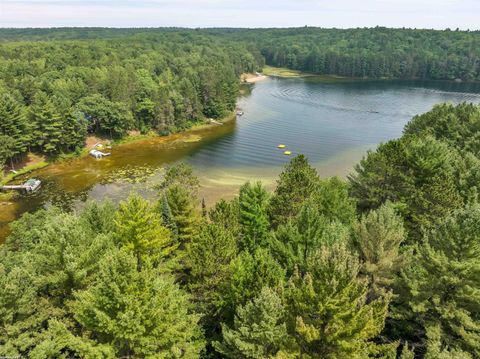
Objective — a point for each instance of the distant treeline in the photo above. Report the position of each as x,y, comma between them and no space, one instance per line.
374,53
58,84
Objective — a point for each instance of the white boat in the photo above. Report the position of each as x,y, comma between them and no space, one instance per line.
98,154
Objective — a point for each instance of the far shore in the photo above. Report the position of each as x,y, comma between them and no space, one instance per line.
251,78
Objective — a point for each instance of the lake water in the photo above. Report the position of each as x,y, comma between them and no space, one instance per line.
333,123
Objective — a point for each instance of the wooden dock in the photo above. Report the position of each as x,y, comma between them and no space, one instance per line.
30,186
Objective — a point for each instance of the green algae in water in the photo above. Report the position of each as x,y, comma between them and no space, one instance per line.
130,174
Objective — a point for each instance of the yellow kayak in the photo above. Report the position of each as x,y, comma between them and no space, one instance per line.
281,146
287,152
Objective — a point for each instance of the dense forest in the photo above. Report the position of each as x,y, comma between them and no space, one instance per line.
383,265
52,93
373,53
58,85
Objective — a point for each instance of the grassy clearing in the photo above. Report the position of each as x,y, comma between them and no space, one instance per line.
283,72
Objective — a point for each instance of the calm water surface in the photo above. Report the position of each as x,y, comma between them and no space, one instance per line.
332,123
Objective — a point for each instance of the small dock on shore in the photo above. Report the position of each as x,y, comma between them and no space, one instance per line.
30,186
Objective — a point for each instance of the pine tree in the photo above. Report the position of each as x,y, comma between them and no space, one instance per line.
139,229
47,133
253,202
295,242
138,313
440,288
13,124
184,213
250,273
259,330
227,214
209,258
296,183
333,200
329,312
167,217
378,237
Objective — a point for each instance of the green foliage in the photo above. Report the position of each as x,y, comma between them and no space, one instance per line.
296,241
139,313
184,213
49,256
250,273
377,237
440,288
13,126
370,52
456,125
139,229
328,309
333,200
259,330
296,183
47,124
182,175
162,81
105,116
253,202
422,175
209,258
227,214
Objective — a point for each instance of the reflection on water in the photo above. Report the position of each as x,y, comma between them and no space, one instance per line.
332,123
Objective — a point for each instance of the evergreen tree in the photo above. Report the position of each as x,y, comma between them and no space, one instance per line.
302,236
167,216
209,258
422,176
333,200
48,257
227,214
47,122
181,175
330,316
184,213
139,229
259,330
13,125
439,291
378,237
7,151
297,182
253,202
250,273
138,313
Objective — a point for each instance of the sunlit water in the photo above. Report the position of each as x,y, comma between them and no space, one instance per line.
332,123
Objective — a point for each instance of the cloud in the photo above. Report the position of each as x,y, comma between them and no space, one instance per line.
236,13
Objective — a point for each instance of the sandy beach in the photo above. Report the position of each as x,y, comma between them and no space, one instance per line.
252,77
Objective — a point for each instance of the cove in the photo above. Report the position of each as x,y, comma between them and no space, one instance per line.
333,123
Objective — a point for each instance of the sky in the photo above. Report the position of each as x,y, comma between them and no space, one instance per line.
436,14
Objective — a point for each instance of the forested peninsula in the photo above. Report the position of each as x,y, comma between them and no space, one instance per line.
58,85
382,264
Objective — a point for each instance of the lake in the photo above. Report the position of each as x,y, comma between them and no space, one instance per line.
334,123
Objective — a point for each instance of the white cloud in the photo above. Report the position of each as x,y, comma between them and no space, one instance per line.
237,13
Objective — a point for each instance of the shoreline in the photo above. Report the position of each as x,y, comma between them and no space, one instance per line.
250,78
127,140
